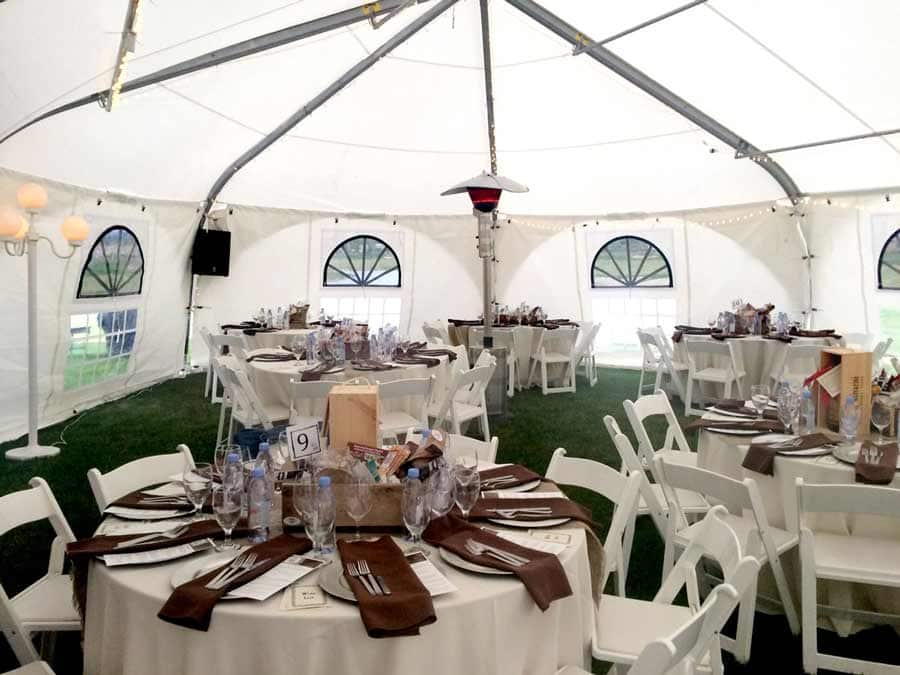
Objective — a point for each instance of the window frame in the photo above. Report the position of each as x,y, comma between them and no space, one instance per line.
340,247
881,262
631,286
90,256
120,334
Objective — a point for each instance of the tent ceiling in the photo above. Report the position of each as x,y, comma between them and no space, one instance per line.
580,137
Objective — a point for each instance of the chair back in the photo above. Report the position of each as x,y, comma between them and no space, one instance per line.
19,508
457,446
432,334
244,396
236,344
418,389
313,393
467,387
650,406
583,342
733,493
863,341
878,353
110,486
619,489
869,499
799,359
650,348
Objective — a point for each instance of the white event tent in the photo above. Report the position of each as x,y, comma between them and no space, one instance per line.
645,134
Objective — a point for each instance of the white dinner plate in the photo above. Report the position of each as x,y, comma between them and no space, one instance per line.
129,513
549,522
779,438
451,558
333,582
524,487
731,413
847,453
200,566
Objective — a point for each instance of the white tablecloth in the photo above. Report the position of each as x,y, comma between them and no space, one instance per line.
489,626
274,339
724,454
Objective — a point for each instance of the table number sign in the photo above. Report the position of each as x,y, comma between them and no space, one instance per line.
303,441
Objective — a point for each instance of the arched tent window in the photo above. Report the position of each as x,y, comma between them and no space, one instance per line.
114,267
362,261
630,262
889,264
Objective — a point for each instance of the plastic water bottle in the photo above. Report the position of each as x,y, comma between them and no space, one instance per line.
340,352
325,507
260,505
233,472
279,318
850,419
264,460
808,412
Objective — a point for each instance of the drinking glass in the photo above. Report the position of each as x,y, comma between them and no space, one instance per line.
220,456
318,522
440,484
359,502
355,344
416,509
881,417
466,488
788,405
197,482
298,347
759,397
227,504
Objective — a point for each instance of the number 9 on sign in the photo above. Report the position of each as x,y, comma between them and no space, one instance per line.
303,441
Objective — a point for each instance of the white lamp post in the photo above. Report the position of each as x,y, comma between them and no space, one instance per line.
20,239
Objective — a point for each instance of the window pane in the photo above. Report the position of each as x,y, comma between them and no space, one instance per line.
889,265
115,266
98,347
630,262
392,306
131,319
362,261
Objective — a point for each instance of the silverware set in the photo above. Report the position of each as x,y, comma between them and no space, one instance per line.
244,563
479,548
871,455
497,481
523,511
159,500
168,534
374,584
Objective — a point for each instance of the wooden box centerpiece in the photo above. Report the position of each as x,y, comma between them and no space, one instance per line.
855,380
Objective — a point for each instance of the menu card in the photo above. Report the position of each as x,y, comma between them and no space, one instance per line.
280,576
431,577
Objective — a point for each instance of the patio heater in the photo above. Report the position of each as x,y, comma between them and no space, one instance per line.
484,190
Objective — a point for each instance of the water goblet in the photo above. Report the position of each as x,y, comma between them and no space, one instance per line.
440,484
788,406
227,504
416,510
466,488
197,482
359,502
759,397
881,417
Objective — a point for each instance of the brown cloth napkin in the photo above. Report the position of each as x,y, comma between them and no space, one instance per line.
272,357
315,373
81,551
781,338
133,501
822,333
411,360
727,336
681,331
762,426
409,605
421,458
738,406
449,353
560,507
191,605
544,577
520,473
761,456
240,326
254,331
880,473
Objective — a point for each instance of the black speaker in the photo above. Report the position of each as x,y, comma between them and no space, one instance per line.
212,252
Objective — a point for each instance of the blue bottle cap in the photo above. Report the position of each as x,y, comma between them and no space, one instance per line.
258,472
807,393
234,457
324,481
412,473
263,446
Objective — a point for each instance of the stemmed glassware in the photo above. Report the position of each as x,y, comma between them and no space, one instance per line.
881,417
788,406
759,397
298,347
197,483
220,455
466,488
359,500
355,343
227,504
440,485
416,510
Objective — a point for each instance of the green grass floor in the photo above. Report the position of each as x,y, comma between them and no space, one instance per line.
157,419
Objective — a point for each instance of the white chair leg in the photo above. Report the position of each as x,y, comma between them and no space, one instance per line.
206,386
728,388
790,610
744,631
641,383
219,439
659,373
689,396
544,377
511,377
534,364
485,427
808,605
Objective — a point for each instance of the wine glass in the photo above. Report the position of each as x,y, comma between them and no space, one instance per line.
440,484
711,320
355,343
881,417
197,482
298,347
220,456
466,488
759,397
416,509
227,504
359,501
788,405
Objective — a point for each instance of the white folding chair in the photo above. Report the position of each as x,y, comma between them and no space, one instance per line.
619,489
211,387
418,391
456,446
465,401
795,361
864,341
542,358
46,605
747,517
588,357
112,485
308,401
33,668
624,627
505,339
432,334
730,374
844,558
878,353
246,406
655,405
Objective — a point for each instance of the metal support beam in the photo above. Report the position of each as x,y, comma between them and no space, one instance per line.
643,24
316,102
238,50
487,263
644,82
763,154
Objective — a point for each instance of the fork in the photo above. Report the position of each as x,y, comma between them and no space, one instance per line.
477,548
237,566
168,534
354,571
376,582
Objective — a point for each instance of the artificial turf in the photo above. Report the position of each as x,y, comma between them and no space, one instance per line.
157,419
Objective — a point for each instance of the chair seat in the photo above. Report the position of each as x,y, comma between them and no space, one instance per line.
33,668
397,421
858,559
624,626
305,420
691,502
275,411
551,357
720,375
743,526
47,604
465,411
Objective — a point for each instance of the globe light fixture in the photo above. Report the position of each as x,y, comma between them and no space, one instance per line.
75,229
10,222
31,196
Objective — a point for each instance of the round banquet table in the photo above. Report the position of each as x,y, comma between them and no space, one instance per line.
724,454
271,380
275,339
489,626
759,355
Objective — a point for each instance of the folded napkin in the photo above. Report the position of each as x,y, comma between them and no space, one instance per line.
465,322
761,456
449,353
560,507
133,501
410,360
520,474
81,551
781,338
420,457
738,406
240,326
191,605
727,336
271,357
543,576
882,471
370,365
822,333
409,605
762,426
681,331
315,373
254,331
